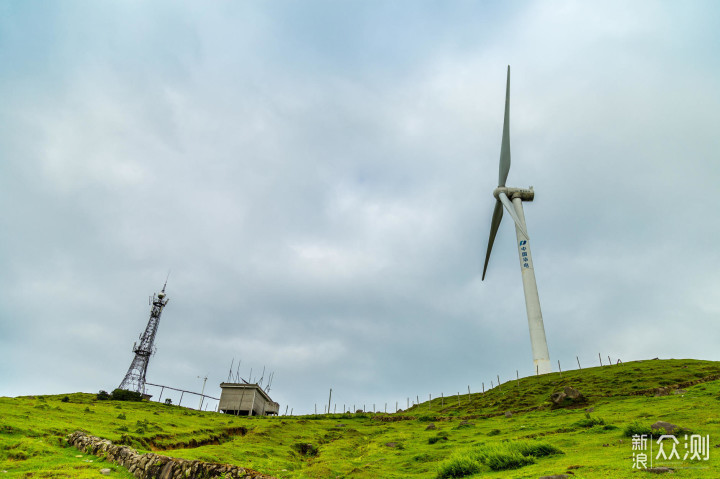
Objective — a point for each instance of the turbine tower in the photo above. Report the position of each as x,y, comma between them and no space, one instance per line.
135,377
511,199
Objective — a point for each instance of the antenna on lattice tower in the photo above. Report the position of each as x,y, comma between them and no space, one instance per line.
135,377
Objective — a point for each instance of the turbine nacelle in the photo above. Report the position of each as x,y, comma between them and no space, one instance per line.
512,193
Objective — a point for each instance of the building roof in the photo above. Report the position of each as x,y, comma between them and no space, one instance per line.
246,386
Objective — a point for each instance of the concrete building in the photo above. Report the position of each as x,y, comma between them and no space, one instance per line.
244,399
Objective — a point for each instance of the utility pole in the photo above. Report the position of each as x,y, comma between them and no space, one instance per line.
203,390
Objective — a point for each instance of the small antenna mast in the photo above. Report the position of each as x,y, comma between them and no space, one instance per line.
166,280
231,365
262,376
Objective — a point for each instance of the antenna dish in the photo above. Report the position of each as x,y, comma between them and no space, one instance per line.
161,295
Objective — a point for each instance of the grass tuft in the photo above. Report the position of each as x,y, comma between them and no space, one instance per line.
459,465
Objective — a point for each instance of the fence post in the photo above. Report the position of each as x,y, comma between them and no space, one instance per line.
600,359
559,368
499,386
578,360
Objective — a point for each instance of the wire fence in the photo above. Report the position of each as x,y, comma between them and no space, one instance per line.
210,403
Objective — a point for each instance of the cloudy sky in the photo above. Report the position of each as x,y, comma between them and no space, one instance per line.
318,177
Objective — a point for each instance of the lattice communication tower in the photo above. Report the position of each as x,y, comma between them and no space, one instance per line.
135,377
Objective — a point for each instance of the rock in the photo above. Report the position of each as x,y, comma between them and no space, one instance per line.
556,476
679,391
590,409
431,427
572,393
167,471
659,470
391,444
156,466
567,397
508,414
662,392
669,427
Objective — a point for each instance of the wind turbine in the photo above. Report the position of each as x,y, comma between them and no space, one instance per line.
511,199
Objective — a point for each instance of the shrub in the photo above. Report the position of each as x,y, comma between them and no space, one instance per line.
504,460
590,421
65,399
121,416
514,455
637,428
103,396
306,449
427,418
442,436
494,432
125,395
168,402
536,449
458,466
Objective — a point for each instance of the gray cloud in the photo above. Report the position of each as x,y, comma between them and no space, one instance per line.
319,182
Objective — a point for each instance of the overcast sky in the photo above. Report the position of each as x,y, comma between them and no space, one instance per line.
318,177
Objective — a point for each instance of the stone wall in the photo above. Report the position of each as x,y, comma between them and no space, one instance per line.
155,466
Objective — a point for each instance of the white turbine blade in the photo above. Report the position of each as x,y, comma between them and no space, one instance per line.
505,145
494,226
511,209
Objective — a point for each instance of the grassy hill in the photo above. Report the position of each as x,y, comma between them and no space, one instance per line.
467,434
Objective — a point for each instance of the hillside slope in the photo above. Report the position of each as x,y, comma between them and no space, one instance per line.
439,437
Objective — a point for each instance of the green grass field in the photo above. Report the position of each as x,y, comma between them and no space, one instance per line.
469,436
